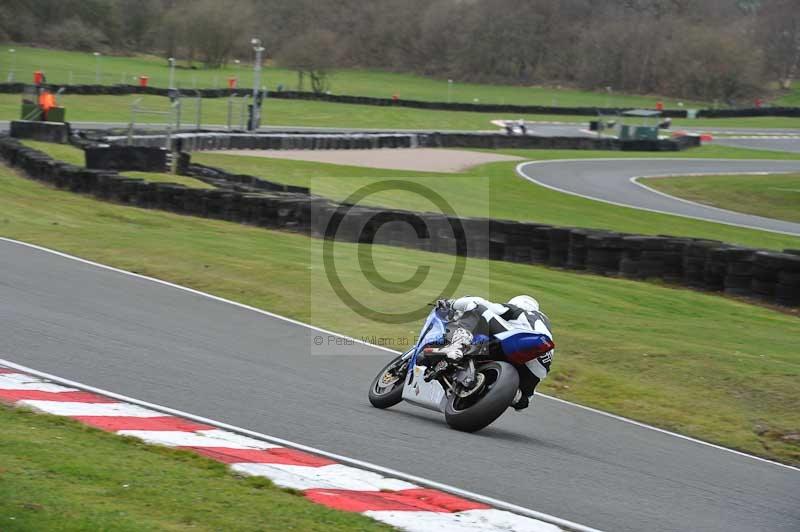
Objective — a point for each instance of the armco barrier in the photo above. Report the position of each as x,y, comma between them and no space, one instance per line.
768,276
415,104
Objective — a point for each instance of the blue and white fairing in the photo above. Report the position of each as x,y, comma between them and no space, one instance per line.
433,332
416,391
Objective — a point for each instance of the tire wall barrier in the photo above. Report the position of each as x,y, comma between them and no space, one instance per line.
58,132
127,158
768,276
352,141
12,88
204,141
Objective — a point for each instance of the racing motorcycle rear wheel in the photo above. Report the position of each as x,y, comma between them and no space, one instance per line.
387,388
478,408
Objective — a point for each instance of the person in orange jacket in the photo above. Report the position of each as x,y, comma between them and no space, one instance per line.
46,102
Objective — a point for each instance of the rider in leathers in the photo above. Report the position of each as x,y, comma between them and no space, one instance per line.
475,320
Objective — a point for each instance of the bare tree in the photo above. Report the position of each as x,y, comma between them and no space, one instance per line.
779,34
311,54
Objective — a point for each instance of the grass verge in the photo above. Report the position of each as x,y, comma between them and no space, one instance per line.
510,197
671,357
772,196
60,475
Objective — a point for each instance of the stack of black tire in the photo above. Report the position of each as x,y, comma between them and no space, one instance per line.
643,257
674,251
539,240
558,243
776,276
738,262
604,252
576,256
694,262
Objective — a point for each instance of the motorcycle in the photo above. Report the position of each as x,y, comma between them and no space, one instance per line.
471,393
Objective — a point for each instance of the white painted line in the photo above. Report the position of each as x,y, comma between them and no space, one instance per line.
466,521
200,438
333,476
18,381
63,408
287,443
520,510
629,206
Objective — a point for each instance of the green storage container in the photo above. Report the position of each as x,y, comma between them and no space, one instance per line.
56,114
646,133
31,111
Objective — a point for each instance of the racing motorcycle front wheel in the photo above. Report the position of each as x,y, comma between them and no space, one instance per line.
387,388
477,408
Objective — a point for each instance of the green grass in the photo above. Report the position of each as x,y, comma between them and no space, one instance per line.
773,196
672,357
791,98
277,112
63,152
71,154
497,192
59,475
58,65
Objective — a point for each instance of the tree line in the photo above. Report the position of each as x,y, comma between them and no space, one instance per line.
701,49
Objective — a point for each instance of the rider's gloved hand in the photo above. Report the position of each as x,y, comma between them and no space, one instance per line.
460,339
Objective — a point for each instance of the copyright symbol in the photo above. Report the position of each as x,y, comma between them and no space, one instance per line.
362,225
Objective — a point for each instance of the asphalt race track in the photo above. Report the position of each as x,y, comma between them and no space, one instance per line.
610,180
772,144
210,358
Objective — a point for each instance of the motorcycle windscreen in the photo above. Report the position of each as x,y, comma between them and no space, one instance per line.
416,391
520,347
433,332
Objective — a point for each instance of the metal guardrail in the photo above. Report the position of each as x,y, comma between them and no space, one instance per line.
173,121
242,110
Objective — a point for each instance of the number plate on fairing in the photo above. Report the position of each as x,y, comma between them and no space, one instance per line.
428,395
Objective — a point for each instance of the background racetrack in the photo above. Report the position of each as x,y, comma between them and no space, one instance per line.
140,338
611,181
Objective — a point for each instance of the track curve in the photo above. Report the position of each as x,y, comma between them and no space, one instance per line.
614,181
208,357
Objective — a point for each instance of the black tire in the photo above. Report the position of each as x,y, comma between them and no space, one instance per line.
490,405
390,397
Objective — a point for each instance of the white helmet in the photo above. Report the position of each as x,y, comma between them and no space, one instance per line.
526,303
